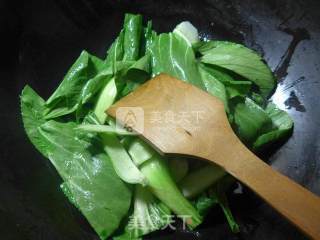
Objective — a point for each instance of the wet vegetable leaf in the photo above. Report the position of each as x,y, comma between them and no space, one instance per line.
90,181
172,55
241,60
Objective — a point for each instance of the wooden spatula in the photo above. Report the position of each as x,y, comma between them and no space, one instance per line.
178,118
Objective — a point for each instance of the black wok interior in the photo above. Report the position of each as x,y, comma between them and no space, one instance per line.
41,39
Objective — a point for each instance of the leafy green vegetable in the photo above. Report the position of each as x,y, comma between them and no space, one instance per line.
71,92
251,120
216,195
142,65
115,52
282,126
132,36
179,167
223,202
93,85
233,88
258,99
241,60
32,111
136,74
147,39
204,203
172,55
214,86
238,88
88,175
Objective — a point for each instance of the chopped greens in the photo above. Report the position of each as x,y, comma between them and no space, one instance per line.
117,181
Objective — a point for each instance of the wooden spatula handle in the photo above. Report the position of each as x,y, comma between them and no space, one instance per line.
294,202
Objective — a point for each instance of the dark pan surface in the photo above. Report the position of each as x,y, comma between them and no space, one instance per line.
41,39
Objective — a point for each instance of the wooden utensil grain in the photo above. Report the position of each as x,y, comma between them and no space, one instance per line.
199,127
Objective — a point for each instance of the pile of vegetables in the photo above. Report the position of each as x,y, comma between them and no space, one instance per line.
117,181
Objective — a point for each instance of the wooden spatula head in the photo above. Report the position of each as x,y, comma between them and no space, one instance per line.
178,117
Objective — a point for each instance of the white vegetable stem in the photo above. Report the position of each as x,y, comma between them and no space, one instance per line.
188,32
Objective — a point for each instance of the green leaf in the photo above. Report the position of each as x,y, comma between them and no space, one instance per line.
78,86
132,35
143,65
148,37
90,182
280,118
115,52
221,74
94,186
135,75
93,85
251,120
214,86
178,167
258,99
203,46
233,88
282,127
32,111
224,204
130,73
238,88
90,118
242,61
204,203
217,195
172,55
67,192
